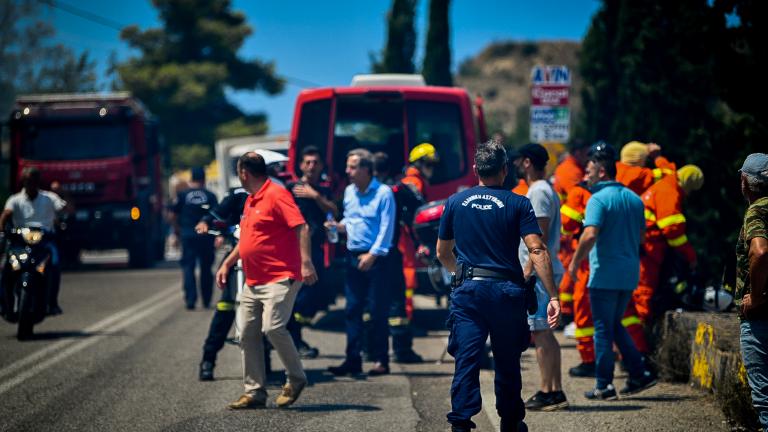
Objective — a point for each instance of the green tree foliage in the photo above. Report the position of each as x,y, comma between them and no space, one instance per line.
437,60
30,63
397,56
185,68
681,74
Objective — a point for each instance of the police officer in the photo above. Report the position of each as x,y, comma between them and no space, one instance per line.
485,225
191,205
228,211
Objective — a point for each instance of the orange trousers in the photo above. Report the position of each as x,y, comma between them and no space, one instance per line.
650,271
565,290
585,328
408,250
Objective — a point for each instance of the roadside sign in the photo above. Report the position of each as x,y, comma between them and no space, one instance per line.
550,114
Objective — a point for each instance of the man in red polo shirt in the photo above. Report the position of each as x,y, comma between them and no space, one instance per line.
275,249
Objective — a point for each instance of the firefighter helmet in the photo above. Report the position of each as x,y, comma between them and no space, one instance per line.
424,151
717,299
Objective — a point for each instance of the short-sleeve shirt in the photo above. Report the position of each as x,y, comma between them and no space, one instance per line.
39,212
191,206
615,260
755,225
546,204
487,224
269,246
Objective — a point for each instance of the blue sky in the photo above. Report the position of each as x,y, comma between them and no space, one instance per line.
326,42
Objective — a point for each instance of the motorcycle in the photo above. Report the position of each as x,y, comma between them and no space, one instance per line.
236,277
25,280
426,224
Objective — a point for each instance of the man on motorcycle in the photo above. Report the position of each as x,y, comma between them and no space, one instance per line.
33,207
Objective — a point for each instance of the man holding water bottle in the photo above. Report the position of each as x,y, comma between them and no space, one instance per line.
313,200
369,224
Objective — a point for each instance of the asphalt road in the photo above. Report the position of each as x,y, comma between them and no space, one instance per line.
124,356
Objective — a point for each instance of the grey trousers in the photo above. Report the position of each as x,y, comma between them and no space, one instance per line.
266,310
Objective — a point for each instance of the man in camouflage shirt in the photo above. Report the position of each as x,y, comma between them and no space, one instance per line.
752,280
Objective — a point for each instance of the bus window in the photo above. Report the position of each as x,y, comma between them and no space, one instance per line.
313,129
439,124
375,125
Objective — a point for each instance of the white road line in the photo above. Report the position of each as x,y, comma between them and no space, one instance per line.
35,361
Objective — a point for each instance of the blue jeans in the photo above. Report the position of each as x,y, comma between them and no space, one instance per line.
608,306
369,289
477,309
754,350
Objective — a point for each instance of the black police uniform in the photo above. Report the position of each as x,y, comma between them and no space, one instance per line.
229,211
191,205
311,298
487,224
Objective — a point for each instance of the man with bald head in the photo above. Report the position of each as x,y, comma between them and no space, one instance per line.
275,248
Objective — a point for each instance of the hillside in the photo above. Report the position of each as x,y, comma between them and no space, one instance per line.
501,75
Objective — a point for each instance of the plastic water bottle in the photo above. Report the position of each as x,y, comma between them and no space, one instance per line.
333,232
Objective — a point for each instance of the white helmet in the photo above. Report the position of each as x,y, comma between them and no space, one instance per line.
717,300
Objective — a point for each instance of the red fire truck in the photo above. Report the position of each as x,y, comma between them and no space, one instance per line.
103,154
390,113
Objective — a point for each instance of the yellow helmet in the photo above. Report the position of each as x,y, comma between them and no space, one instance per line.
424,151
634,153
690,178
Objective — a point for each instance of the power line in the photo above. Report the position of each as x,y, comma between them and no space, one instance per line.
98,19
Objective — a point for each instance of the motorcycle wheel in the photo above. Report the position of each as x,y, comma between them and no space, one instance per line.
26,315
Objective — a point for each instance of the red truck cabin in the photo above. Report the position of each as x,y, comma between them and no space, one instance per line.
392,119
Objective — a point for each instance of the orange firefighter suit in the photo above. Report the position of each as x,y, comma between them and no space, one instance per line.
413,178
568,175
665,228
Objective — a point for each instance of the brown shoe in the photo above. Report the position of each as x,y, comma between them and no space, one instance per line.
291,392
248,401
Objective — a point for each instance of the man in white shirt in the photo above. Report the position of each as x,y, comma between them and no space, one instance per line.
531,161
33,207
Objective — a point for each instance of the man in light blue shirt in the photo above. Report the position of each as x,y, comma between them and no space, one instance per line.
369,223
614,227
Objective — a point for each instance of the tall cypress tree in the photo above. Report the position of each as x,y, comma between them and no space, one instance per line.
437,60
397,56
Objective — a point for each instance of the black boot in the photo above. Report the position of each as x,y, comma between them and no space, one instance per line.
206,371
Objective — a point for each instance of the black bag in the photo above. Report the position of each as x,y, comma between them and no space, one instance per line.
531,301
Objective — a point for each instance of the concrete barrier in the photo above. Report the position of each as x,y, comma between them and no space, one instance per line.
703,349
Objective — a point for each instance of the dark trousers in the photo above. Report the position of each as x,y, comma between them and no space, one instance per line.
608,306
399,324
222,321
310,298
477,309
197,249
367,290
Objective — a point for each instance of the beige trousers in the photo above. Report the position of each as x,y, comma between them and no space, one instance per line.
265,310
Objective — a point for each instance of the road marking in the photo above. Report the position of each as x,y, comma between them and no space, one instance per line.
110,324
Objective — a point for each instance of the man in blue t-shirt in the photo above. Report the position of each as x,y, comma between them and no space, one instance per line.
485,224
614,226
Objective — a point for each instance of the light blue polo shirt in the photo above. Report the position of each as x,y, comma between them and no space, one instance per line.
614,262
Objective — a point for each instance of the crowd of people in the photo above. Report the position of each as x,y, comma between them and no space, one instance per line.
588,244
591,243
